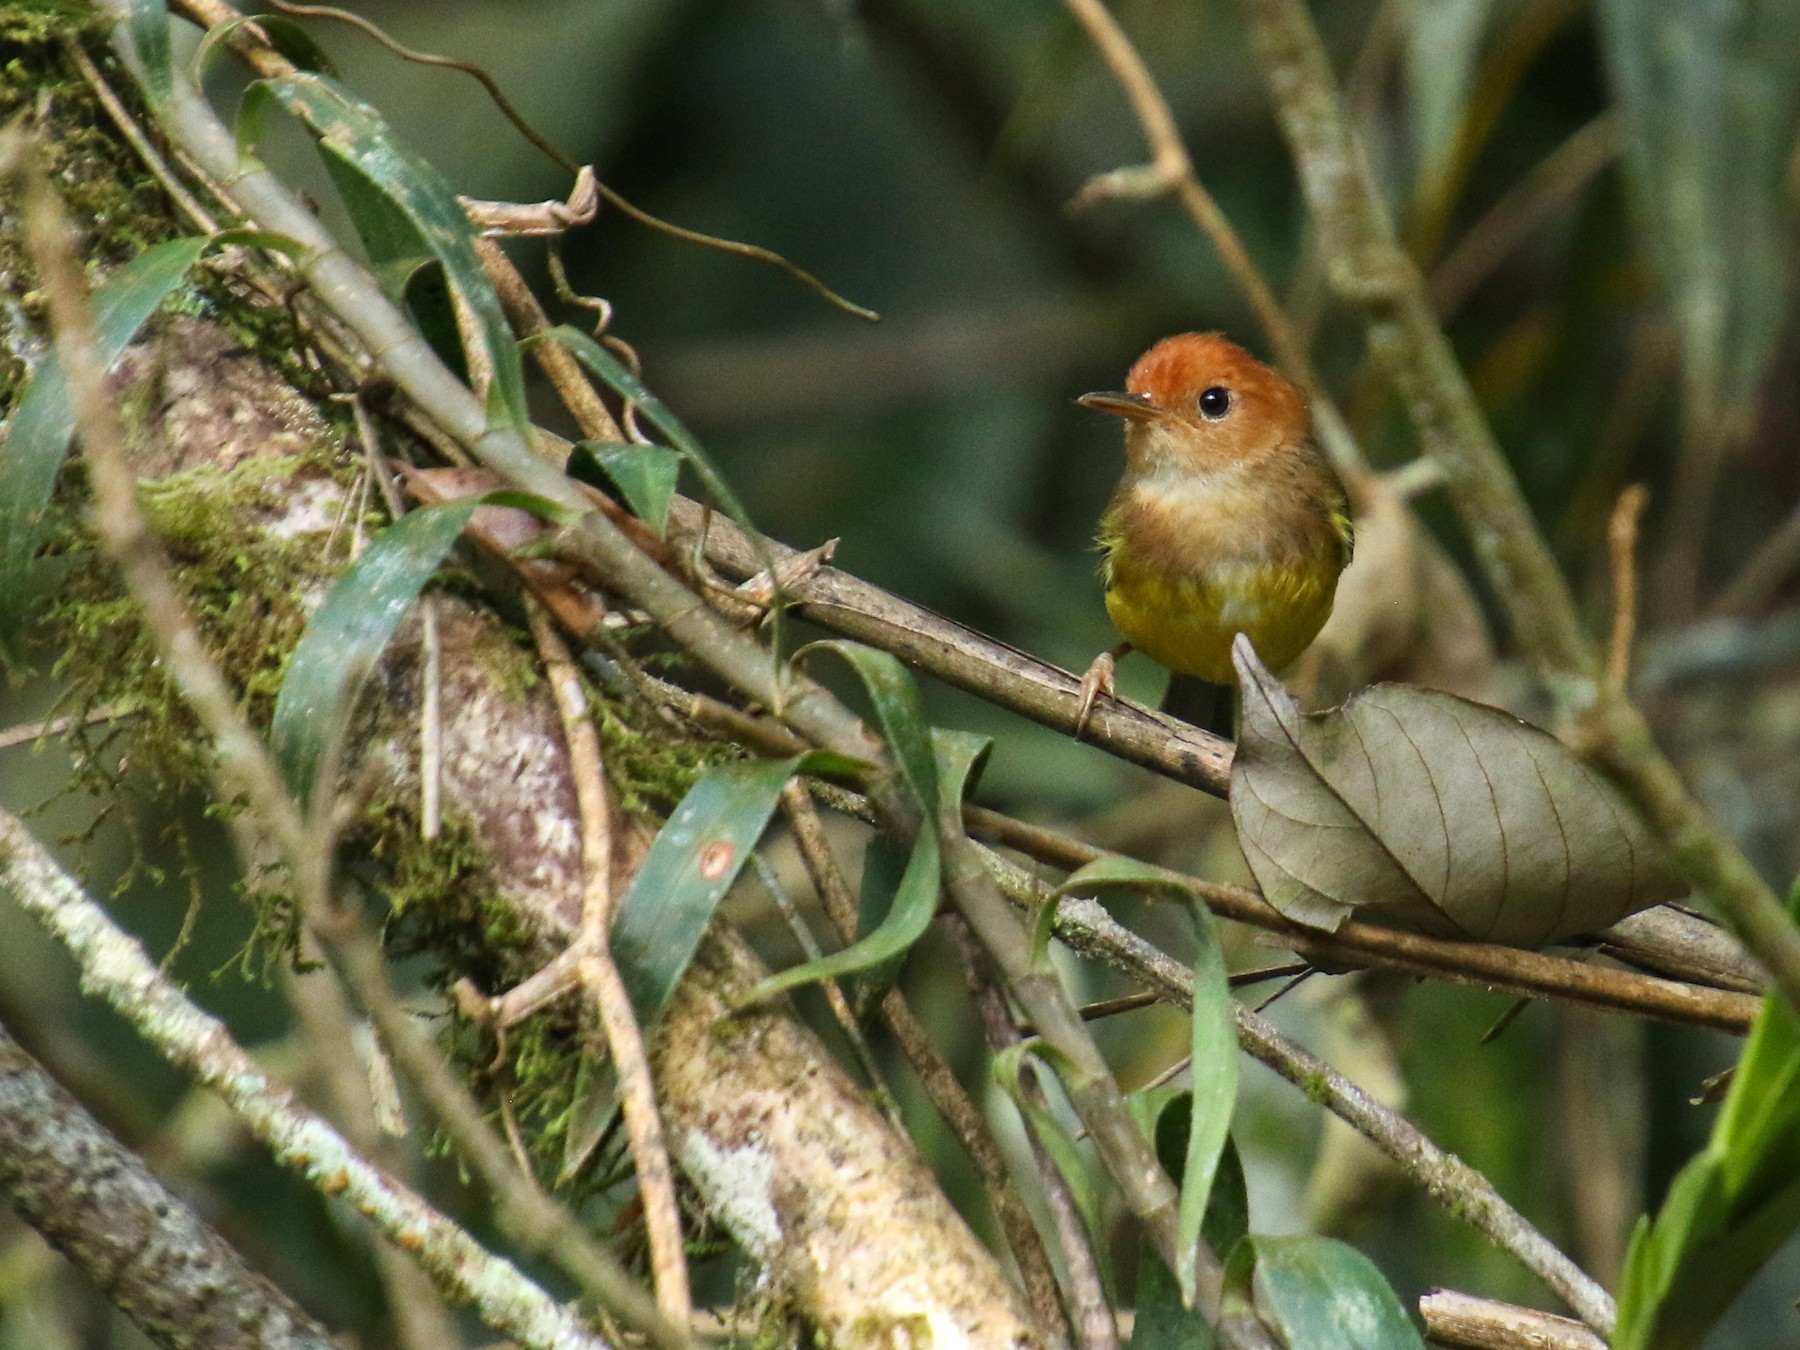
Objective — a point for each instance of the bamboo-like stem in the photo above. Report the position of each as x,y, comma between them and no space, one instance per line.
404,356
940,1082
1096,1328
1368,267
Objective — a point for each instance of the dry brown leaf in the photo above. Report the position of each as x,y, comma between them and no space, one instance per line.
1425,811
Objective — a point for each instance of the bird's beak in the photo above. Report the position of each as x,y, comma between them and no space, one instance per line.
1136,407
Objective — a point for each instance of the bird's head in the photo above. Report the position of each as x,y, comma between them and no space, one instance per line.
1198,401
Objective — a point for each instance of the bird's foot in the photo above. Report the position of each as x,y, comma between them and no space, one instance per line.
1097,681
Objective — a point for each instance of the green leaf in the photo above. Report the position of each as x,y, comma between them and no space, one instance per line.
37,439
1214,1048
347,635
1429,812
895,698
356,134
691,864
1212,1043
1163,1321
621,379
645,476
1731,1207
149,31
914,905
916,897
1321,1292
1058,1142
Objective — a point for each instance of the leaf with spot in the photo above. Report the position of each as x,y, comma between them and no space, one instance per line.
1425,811
692,862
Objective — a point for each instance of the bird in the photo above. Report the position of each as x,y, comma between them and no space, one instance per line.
1228,519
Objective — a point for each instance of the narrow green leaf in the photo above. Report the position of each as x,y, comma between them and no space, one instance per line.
878,953
895,698
1050,1131
914,905
347,635
358,136
1214,1048
624,382
149,29
1163,1321
1731,1207
1321,1292
691,864
645,476
37,439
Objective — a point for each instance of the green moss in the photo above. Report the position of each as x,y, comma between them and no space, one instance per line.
244,586
117,204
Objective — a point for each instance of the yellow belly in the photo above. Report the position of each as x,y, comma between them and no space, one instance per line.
1187,623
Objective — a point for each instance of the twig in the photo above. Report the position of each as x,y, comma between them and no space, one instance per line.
1482,1324
26,732
557,362
115,967
1762,577
1368,267
527,1215
841,1011
600,975
1481,964
939,1080
1096,1328
1088,929
1621,539
327,1030
1553,181
431,722
1172,170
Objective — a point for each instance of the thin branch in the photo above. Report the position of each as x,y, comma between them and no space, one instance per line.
1563,173
1096,1327
1760,579
939,1080
600,975
1088,929
1621,539
1462,1320
1172,170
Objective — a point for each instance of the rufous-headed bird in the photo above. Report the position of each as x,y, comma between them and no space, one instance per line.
1228,520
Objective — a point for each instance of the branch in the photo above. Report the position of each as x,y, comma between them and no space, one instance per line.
1088,929
115,967
1368,267
94,1201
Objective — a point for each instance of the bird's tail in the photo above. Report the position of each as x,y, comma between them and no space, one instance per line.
1203,704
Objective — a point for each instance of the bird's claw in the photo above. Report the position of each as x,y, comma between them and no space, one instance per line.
1097,681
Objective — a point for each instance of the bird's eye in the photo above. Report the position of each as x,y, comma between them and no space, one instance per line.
1215,402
